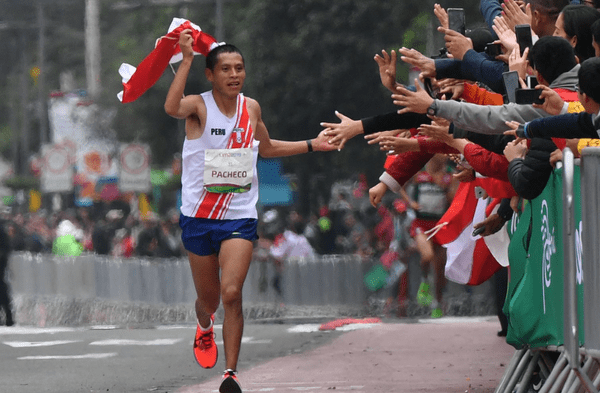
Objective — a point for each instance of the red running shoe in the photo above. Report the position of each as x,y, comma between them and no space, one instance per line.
230,383
205,349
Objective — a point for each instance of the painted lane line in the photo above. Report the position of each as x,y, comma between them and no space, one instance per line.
313,328
356,326
299,388
4,330
306,328
249,340
445,320
191,327
297,383
104,327
122,342
71,357
32,344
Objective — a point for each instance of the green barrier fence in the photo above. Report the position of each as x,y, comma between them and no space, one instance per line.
534,302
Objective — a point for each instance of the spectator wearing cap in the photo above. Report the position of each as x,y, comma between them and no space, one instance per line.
67,241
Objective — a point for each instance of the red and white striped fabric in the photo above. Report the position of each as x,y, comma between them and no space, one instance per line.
468,259
136,81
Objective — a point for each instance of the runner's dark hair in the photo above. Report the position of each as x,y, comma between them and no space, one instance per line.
213,56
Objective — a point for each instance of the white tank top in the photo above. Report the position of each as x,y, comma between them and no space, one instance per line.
218,134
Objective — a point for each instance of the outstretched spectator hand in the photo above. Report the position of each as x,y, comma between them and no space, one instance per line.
456,43
387,69
452,86
394,144
322,143
492,223
464,175
513,126
553,104
505,34
515,149
441,14
339,133
412,101
417,59
515,15
519,63
438,129
376,193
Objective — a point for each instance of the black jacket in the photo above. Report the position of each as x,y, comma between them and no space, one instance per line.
529,175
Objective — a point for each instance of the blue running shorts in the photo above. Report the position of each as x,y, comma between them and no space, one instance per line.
203,236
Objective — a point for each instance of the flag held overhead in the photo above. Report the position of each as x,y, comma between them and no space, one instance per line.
136,81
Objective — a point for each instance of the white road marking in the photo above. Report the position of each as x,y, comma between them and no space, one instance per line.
249,340
122,342
312,328
104,327
31,344
456,320
306,328
70,357
4,330
295,386
356,326
171,327
298,387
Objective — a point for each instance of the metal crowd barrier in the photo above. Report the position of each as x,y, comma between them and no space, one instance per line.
590,194
571,312
331,279
571,367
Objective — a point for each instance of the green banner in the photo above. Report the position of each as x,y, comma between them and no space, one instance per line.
534,303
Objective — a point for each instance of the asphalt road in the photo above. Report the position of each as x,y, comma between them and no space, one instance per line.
133,359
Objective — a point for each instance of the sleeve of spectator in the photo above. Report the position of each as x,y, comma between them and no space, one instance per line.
490,9
389,181
477,95
404,166
571,125
448,68
529,175
480,67
504,210
486,119
393,121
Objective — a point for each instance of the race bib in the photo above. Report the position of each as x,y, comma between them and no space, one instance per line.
228,170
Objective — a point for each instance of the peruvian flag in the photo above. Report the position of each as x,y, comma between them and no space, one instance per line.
468,258
495,188
137,81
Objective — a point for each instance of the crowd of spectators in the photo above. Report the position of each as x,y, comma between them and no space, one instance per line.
464,105
116,232
347,225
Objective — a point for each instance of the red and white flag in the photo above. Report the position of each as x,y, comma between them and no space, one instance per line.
468,259
136,81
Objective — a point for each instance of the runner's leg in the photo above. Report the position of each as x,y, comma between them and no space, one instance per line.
205,272
234,258
439,272
425,249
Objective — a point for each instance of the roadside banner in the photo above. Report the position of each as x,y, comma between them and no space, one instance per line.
57,169
534,303
135,168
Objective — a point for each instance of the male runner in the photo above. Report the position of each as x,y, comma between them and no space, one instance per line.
224,135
